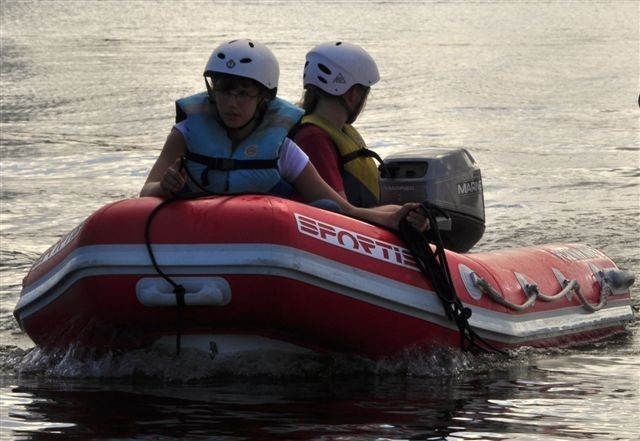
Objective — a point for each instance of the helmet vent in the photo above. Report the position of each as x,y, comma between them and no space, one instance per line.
322,80
247,59
324,69
338,43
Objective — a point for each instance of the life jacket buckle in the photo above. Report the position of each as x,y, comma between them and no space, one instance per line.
225,164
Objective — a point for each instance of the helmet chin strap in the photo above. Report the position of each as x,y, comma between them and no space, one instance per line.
352,113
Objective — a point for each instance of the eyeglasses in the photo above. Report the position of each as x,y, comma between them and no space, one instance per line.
241,96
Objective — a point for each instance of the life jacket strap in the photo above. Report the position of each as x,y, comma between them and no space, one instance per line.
364,153
228,164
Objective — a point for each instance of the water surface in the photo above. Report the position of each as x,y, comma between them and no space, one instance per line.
543,94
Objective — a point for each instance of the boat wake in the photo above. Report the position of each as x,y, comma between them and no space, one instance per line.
197,366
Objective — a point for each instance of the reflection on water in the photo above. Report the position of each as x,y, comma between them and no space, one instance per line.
557,395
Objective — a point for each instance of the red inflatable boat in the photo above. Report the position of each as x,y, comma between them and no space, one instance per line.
264,272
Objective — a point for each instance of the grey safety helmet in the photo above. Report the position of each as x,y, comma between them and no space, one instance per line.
245,58
336,67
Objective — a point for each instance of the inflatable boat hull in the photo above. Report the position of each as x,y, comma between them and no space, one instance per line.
264,272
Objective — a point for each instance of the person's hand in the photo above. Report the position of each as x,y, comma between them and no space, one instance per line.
418,219
415,215
173,179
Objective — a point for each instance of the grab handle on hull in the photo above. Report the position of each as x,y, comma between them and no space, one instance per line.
532,290
612,281
199,291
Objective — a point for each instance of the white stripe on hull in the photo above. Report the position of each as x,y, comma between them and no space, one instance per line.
291,263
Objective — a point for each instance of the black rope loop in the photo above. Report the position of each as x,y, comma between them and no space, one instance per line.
432,262
178,289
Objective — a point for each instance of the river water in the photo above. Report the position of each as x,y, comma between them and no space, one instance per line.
543,93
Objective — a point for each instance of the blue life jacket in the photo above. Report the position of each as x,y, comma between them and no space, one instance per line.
249,167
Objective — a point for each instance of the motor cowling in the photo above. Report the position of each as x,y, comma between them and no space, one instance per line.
451,180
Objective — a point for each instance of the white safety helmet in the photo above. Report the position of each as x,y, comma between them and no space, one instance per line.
335,67
245,58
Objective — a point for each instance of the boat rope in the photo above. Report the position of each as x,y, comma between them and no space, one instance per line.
203,190
433,264
533,294
178,289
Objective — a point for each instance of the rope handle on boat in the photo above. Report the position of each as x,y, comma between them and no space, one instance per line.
532,292
178,289
434,266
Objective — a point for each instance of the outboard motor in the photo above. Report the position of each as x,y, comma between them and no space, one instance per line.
449,179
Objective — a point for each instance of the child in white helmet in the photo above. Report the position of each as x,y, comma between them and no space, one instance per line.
233,139
337,77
